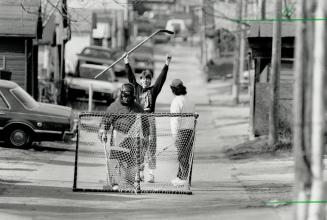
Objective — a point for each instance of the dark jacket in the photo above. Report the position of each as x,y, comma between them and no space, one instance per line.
122,122
117,107
147,97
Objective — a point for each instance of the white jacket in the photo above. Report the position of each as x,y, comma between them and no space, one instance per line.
181,104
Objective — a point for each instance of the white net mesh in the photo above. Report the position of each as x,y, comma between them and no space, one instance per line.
135,152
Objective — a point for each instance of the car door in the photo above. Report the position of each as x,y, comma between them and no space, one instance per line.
4,111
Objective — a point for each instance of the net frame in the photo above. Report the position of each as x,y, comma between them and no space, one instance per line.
137,189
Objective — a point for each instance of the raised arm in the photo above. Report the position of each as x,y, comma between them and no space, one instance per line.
129,71
162,77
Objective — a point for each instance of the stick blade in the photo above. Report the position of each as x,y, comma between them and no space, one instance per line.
167,31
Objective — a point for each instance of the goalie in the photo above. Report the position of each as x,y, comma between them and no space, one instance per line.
126,131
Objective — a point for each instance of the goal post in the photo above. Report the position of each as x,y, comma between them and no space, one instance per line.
118,152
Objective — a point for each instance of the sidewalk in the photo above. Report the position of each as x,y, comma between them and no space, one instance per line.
261,179
220,93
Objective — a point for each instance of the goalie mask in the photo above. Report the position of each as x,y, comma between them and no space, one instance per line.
127,94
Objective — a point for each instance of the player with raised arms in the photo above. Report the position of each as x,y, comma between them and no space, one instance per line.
146,96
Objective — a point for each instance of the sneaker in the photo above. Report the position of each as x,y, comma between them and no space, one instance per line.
115,187
151,178
173,181
178,182
111,187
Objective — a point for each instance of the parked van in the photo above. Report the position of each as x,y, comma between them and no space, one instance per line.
179,27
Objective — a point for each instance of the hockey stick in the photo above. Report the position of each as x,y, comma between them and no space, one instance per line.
164,149
107,158
134,48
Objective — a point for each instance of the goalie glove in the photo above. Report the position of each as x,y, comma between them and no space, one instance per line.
125,55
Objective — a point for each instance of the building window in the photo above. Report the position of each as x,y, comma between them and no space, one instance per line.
97,41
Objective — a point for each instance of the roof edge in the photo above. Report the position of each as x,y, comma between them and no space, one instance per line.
18,35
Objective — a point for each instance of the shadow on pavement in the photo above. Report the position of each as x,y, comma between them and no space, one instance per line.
18,169
50,149
5,182
41,148
50,192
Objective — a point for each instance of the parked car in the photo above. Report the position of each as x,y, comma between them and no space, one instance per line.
91,61
96,55
103,90
24,120
219,68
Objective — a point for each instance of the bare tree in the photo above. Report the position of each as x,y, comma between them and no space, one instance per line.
309,108
316,211
300,105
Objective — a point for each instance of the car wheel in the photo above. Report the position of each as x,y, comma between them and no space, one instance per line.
19,138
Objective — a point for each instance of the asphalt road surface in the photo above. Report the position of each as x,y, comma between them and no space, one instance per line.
37,183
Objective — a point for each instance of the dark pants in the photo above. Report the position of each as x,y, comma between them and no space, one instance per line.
150,144
129,158
152,147
184,144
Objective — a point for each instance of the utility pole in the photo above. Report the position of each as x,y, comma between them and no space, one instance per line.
262,9
260,16
316,211
275,75
202,18
236,66
300,104
114,30
243,37
63,26
92,27
35,61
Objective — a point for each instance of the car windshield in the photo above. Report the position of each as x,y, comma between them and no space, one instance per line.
24,98
177,27
98,53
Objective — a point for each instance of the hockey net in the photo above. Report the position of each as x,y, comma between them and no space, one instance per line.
149,153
